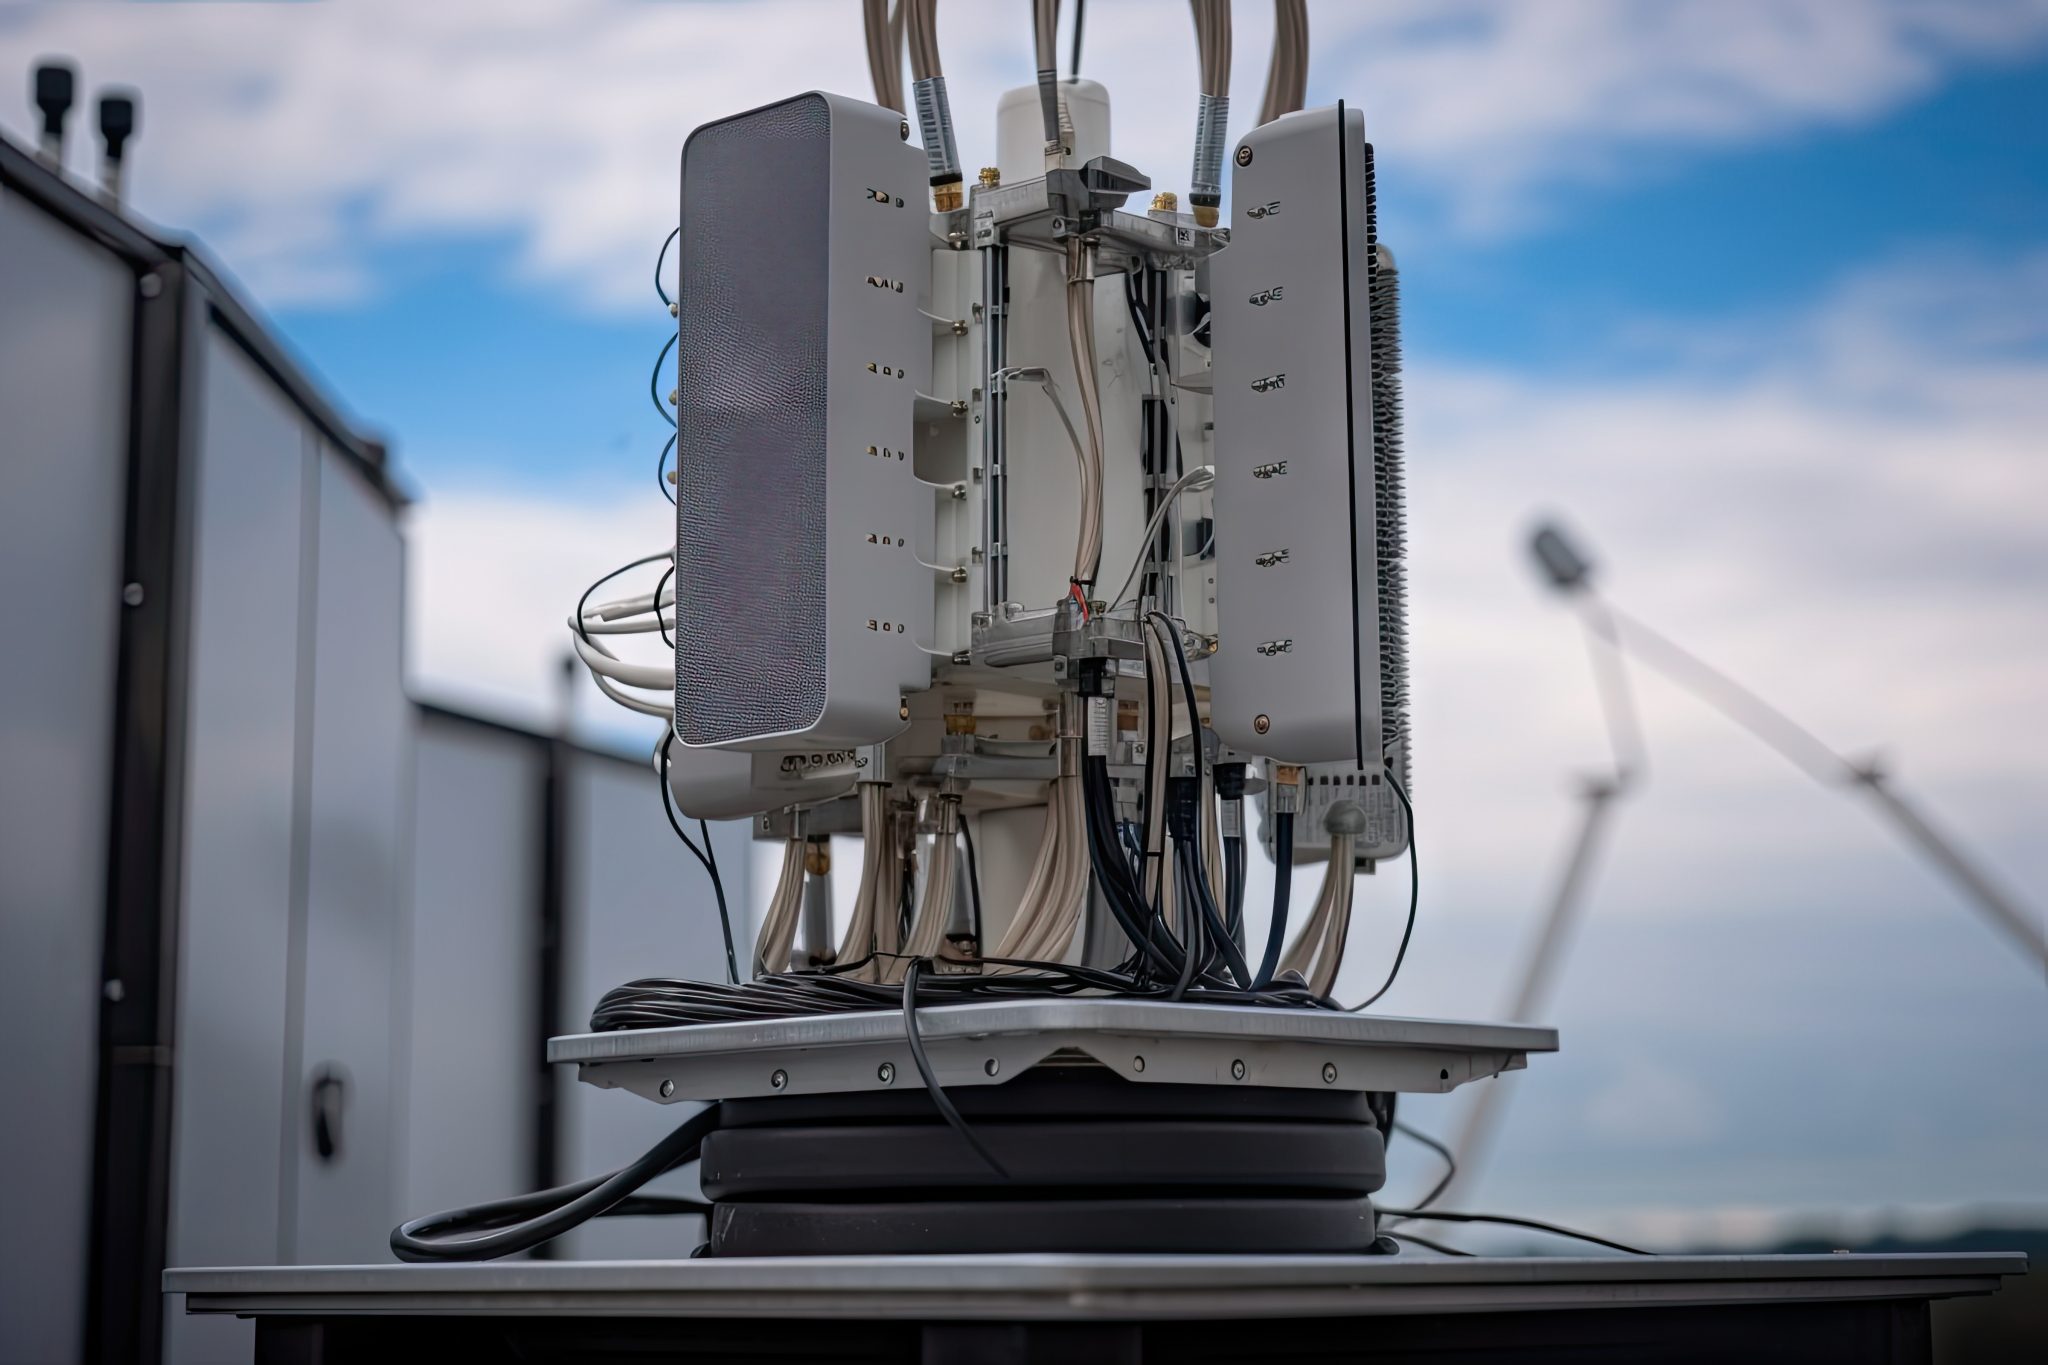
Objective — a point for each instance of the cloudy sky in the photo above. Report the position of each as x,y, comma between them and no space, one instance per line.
1754,295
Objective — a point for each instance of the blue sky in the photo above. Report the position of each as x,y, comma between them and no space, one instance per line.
1754,294
1708,235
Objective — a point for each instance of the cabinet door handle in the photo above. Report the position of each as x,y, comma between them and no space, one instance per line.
329,1097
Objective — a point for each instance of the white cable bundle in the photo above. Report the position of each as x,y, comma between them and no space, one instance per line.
646,614
1318,951
778,926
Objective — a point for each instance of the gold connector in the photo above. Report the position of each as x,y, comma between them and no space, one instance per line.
1166,201
947,198
1205,215
1286,775
990,177
960,722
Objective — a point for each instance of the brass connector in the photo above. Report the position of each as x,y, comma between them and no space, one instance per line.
990,177
1166,201
948,197
960,723
1205,215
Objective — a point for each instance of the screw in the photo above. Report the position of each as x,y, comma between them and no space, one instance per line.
886,1073
1329,1073
673,395
1137,1063
132,594
1237,1069
151,285
989,1067
668,1088
903,710
778,1080
1244,156
674,310
1262,722
114,991
903,130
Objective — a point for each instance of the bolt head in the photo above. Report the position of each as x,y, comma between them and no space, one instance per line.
1329,1073
132,594
1137,1063
990,1067
903,130
886,1073
1262,723
778,1080
1237,1069
1244,156
668,1089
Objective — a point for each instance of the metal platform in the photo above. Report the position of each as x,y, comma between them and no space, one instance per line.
988,1043
1127,1308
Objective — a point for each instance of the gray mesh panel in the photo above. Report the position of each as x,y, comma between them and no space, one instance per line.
750,425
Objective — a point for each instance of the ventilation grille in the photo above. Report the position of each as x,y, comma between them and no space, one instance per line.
750,425
1384,285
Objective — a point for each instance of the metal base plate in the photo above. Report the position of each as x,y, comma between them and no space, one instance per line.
1072,1287
989,1043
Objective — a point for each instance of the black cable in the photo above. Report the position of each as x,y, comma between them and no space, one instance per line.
664,1002
666,243
1205,896
583,602
1534,1224
1414,895
704,855
1122,888
1283,889
666,575
505,1226
931,1082
654,381
1191,949
1450,1163
710,861
661,469
1188,856
1437,1247
1233,886
973,882
1074,61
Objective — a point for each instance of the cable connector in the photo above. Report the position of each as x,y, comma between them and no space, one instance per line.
1286,788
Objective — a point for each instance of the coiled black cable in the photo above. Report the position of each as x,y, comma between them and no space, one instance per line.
522,1222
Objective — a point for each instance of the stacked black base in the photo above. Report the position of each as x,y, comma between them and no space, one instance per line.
1093,1163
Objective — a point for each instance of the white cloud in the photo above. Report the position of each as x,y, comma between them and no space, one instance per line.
299,139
